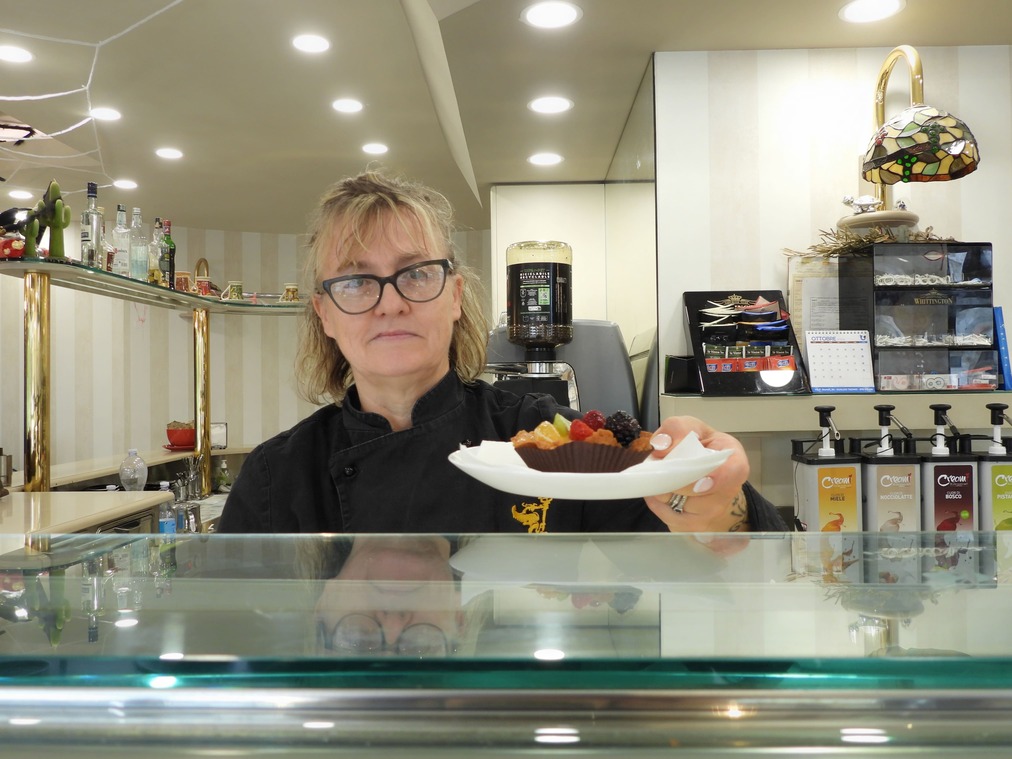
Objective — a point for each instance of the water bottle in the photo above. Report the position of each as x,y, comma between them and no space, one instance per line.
166,512
133,472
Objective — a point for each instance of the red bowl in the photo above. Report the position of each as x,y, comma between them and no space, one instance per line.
182,436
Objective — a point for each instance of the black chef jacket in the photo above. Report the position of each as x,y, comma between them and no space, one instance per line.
343,470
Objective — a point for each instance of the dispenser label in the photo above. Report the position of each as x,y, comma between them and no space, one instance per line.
539,294
1001,499
893,498
838,499
952,490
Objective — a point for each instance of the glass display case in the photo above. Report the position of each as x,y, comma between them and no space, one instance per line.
617,644
929,310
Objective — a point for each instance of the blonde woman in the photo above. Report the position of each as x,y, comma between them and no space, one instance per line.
394,343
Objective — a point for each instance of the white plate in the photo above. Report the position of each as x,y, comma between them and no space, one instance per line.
497,465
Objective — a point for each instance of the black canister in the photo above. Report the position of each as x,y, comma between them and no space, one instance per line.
539,294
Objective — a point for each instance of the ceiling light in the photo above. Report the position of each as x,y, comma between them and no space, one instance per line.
20,194
551,15
12,54
550,104
125,184
374,148
545,159
105,114
863,11
346,105
311,43
170,153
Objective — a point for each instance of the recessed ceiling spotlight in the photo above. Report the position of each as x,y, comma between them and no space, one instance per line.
545,159
105,114
550,104
551,14
311,43
864,11
170,153
125,184
346,105
375,148
20,194
12,54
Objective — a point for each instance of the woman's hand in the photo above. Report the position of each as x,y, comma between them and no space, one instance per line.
714,503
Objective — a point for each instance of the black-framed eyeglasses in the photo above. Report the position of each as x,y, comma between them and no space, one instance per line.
362,635
418,283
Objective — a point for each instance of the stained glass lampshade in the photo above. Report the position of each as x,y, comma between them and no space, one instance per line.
921,144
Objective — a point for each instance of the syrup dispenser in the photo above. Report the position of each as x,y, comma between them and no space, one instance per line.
948,478
828,503
890,478
891,482
995,475
828,496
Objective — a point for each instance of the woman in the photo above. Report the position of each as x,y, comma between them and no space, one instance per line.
395,340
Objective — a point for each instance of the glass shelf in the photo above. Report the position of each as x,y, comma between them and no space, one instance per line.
626,641
73,275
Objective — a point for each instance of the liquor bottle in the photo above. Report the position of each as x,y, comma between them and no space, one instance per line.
167,262
107,248
138,248
155,253
91,230
121,243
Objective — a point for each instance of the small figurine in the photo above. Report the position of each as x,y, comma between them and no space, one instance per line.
49,212
862,203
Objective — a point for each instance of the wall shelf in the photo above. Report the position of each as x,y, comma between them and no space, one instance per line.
72,275
39,275
789,414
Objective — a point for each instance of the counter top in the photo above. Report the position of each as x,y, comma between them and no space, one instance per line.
58,512
62,475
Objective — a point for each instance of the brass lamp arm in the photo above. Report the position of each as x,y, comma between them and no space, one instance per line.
916,79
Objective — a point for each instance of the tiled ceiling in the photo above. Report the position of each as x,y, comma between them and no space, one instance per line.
444,83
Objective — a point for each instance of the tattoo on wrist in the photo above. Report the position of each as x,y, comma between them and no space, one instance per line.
739,512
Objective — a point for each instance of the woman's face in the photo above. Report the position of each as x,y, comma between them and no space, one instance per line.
398,343
401,588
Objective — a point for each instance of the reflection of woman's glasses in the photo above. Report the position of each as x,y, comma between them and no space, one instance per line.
362,635
358,293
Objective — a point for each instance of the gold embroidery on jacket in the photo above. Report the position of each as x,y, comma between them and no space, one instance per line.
533,515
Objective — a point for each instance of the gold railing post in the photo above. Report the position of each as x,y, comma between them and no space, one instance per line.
37,390
202,395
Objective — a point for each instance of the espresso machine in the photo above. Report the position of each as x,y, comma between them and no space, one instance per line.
582,363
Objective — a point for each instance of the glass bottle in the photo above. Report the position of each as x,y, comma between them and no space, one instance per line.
91,230
167,260
107,248
155,254
133,472
121,243
138,248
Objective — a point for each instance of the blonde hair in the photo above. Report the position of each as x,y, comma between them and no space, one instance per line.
348,218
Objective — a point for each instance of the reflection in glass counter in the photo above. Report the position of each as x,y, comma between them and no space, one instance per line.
607,598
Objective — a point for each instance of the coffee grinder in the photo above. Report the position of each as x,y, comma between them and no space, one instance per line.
539,312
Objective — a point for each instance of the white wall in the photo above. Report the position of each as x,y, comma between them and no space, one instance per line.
611,230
